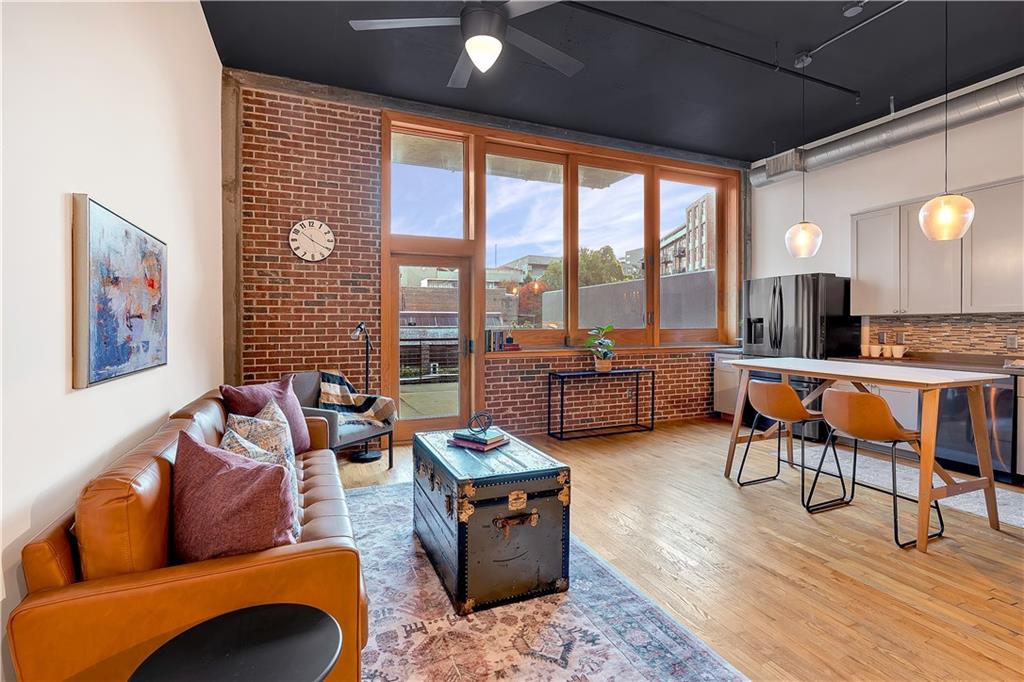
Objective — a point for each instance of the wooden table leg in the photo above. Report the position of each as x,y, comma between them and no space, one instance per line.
737,419
929,425
979,424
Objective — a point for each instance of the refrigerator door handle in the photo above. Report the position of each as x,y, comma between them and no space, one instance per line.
771,317
780,319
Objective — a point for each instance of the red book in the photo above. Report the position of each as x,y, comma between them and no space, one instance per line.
458,442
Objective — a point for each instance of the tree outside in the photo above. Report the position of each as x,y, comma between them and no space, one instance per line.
596,266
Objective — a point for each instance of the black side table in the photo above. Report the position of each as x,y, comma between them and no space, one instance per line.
271,642
628,427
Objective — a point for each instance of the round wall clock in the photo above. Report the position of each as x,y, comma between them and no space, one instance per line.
311,240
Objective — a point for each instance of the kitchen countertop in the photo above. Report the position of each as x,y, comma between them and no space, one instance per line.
967,363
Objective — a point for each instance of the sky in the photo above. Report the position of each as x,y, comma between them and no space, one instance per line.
524,217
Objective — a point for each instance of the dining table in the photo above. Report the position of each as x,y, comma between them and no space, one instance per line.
928,381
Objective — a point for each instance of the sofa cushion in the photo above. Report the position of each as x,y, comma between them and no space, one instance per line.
268,430
249,400
233,442
122,519
225,504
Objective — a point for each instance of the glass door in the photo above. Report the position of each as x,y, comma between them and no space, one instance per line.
433,342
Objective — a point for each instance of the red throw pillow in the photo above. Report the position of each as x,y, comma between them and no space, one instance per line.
248,400
224,504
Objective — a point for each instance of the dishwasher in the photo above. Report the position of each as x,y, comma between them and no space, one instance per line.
727,383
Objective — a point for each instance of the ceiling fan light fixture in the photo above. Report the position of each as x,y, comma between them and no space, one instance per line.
483,50
483,29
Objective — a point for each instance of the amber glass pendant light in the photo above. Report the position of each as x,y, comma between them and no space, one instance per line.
947,216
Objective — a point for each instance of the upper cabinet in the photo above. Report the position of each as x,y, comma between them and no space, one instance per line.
993,253
875,270
896,270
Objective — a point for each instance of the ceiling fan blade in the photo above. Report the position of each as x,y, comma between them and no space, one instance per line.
517,8
415,22
462,71
544,52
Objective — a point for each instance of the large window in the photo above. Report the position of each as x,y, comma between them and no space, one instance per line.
610,260
688,282
427,186
524,236
554,238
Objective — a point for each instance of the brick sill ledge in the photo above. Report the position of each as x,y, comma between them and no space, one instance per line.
621,351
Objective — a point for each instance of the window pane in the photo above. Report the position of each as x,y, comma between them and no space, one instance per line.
687,256
611,243
524,243
426,186
428,341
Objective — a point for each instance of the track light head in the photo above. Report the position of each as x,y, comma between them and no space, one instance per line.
852,9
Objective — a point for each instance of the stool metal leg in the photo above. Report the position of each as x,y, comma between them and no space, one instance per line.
896,513
746,450
835,502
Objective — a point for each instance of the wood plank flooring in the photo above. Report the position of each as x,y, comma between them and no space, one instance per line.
781,594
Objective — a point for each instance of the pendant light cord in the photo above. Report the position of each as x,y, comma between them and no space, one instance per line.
803,138
945,136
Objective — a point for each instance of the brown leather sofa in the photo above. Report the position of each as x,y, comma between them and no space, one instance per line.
104,590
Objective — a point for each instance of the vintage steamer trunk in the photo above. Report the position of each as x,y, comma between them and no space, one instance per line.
494,524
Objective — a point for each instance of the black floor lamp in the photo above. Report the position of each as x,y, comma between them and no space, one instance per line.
366,455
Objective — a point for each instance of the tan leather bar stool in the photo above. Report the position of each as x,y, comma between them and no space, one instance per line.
776,402
866,416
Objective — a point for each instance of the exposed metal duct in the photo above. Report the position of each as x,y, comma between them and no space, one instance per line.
980,104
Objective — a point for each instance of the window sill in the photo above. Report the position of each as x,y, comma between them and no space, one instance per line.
541,351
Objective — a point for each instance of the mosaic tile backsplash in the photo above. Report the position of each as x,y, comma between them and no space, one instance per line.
974,334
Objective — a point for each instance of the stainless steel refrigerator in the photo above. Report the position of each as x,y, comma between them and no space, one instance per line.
802,316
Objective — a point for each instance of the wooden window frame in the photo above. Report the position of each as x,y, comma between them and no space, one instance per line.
640,336
478,141
531,338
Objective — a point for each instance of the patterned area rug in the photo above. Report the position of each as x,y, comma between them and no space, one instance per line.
601,629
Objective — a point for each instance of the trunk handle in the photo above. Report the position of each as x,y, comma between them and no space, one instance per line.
505,524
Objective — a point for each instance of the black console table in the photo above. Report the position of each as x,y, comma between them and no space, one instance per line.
610,429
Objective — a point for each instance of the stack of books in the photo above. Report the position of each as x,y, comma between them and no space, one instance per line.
482,441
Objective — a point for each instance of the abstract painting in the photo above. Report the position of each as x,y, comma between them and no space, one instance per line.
120,295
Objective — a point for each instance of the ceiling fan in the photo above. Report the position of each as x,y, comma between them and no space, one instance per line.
484,29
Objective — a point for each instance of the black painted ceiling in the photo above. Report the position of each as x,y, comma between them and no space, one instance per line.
637,85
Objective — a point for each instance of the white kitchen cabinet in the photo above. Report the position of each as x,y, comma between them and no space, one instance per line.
875,269
896,270
929,270
993,251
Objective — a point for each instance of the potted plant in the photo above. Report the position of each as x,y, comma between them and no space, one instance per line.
601,346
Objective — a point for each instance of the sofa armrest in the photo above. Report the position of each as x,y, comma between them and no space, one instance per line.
332,424
320,431
105,628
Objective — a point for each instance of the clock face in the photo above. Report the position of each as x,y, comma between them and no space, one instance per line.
311,240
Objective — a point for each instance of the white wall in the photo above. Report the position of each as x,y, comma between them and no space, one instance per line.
979,153
120,101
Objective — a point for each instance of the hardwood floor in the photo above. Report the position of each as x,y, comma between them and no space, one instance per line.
779,593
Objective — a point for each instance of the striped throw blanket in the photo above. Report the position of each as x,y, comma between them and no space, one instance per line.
337,393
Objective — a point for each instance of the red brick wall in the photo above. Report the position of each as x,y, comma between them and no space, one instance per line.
304,158
517,390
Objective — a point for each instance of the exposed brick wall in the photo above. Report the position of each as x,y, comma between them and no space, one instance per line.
305,158
517,390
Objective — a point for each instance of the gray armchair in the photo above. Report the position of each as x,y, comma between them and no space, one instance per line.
307,390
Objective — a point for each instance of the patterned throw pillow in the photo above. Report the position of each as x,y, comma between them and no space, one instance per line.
233,442
248,400
268,430
224,504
